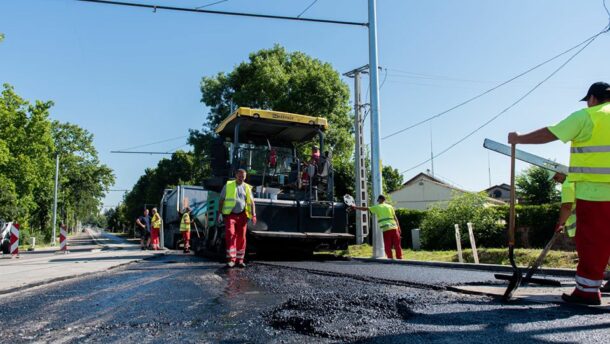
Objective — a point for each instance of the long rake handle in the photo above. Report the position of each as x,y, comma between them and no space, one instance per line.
511,214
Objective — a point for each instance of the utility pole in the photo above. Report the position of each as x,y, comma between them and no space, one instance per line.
55,197
378,251
362,219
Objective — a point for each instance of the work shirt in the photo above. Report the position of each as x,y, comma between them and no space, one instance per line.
145,220
579,127
385,216
240,197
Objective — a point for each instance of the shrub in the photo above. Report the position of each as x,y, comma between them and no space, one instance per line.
438,224
408,220
538,221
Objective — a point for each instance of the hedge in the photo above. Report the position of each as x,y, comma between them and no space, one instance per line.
534,226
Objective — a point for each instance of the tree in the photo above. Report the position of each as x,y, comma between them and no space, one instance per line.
83,179
392,179
438,224
26,166
535,187
180,169
282,81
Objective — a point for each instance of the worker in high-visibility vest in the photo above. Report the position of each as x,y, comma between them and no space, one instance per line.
567,211
185,229
589,132
388,224
567,216
237,207
156,229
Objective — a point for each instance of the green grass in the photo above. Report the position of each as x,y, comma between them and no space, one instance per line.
554,259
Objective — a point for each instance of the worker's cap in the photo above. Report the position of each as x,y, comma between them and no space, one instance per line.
600,90
315,147
186,210
382,197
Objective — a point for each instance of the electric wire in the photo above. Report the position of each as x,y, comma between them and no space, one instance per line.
494,88
226,13
308,7
212,4
154,143
511,105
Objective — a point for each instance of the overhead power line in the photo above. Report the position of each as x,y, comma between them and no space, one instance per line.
495,87
154,143
134,152
587,43
212,4
239,14
308,7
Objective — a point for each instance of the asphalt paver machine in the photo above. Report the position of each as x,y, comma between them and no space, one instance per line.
293,189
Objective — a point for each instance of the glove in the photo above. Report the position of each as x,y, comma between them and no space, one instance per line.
559,228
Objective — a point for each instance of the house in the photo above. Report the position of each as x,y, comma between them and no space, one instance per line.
501,192
424,190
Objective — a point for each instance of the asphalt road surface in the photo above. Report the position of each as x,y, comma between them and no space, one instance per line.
175,298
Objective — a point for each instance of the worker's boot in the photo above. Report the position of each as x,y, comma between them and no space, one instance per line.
605,288
230,264
582,298
241,265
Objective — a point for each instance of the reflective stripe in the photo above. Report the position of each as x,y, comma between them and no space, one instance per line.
587,290
590,149
590,170
588,282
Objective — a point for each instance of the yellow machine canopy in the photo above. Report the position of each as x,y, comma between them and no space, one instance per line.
258,126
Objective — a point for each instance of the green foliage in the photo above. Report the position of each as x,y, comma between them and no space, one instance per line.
538,220
83,178
438,224
28,144
409,219
534,187
392,179
148,190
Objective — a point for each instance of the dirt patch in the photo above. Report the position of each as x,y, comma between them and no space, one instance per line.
341,316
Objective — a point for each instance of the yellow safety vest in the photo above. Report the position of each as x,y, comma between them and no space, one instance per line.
231,195
568,196
185,224
385,217
570,225
156,221
590,159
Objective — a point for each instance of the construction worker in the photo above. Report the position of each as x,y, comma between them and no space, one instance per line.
237,207
388,223
567,216
185,229
143,223
589,132
156,228
567,212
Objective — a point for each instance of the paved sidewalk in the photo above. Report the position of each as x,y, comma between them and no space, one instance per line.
89,252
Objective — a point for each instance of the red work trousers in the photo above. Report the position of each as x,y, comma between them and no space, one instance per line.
593,246
235,236
155,238
186,236
391,238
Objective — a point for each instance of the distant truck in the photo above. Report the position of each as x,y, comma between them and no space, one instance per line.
295,204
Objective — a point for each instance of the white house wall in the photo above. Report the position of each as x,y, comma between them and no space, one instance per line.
422,194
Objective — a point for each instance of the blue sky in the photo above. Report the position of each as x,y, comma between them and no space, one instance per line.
131,76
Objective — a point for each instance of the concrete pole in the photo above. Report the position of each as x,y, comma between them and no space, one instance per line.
55,198
362,220
378,251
